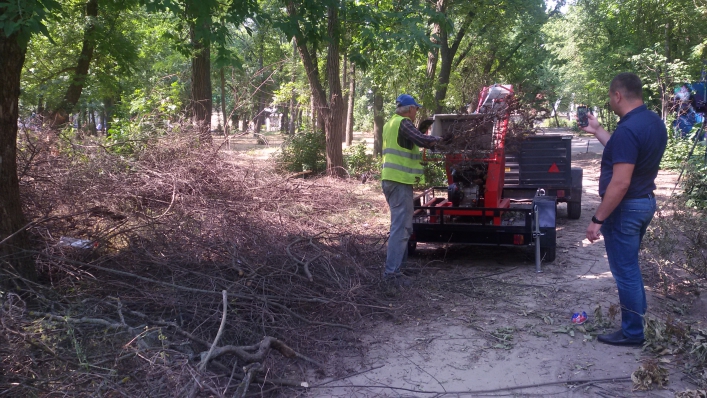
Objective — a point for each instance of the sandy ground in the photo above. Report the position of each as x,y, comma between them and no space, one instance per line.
479,321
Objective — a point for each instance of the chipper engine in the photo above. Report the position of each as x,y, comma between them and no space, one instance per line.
471,209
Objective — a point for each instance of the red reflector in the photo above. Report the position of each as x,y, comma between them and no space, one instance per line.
518,239
560,193
554,168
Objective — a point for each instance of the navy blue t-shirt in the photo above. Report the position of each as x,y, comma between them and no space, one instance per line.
639,139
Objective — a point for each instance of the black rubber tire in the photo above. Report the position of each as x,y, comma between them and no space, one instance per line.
412,247
548,254
574,210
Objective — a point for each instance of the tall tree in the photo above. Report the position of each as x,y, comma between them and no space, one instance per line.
330,107
80,71
199,14
350,110
19,21
210,24
458,27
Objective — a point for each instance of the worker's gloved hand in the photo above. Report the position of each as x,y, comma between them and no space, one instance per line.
425,125
447,138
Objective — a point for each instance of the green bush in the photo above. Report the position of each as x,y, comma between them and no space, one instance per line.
358,162
677,151
695,184
433,175
688,156
304,151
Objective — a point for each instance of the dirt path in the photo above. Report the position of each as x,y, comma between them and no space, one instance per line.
480,322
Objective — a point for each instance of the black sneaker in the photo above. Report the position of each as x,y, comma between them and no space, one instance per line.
618,338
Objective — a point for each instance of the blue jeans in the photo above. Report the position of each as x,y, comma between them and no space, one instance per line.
623,231
400,201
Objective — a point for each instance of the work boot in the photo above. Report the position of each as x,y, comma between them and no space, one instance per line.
397,280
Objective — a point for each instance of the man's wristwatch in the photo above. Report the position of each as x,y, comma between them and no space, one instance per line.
595,220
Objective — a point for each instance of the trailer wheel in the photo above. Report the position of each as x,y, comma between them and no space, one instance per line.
548,254
574,210
412,247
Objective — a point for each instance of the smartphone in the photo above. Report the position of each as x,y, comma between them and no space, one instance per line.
582,119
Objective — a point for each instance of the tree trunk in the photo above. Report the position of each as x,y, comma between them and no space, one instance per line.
78,80
350,113
284,118
313,112
260,92
201,81
92,121
443,81
447,53
334,120
346,97
433,55
12,57
223,104
107,114
293,78
378,122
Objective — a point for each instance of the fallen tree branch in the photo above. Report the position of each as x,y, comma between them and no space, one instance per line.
205,360
493,390
244,352
249,371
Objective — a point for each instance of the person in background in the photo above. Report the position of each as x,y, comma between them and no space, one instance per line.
629,166
401,170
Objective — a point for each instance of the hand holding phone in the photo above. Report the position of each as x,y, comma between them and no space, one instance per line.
582,119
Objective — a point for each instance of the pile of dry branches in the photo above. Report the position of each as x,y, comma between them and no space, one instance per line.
189,271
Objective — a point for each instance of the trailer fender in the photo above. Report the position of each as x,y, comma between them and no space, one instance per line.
576,191
574,204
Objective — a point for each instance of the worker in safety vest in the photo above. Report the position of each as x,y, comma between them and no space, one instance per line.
401,169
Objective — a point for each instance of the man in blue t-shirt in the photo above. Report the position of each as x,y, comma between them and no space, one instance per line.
629,167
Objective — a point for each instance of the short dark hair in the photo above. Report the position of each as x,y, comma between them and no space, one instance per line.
629,84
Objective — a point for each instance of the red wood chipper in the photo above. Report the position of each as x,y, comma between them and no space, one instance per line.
474,207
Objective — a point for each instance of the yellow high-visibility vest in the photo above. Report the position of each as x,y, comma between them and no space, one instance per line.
399,164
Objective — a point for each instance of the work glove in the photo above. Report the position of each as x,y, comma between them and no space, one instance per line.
425,125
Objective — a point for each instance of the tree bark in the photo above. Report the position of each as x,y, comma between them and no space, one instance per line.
350,112
378,122
201,81
345,81
334,120
260,93
12,220
78,80
223,104
293,78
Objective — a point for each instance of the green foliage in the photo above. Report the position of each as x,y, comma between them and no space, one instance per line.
126,138
25,18
358,162
303,152
695,184
144,115
433,175
560,122
677,151
688,156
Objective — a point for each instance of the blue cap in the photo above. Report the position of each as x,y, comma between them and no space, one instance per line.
405,100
